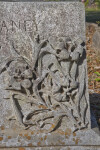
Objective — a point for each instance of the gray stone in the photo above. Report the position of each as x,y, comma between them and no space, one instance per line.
44,98
96,41
39,0
58,148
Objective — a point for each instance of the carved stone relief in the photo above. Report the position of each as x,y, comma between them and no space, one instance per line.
48,80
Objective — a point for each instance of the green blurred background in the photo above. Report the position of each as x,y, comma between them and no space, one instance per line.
92,11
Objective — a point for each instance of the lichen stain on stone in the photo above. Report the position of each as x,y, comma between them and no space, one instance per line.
41,139
1,138
61,132
52,126
30,144
42,106
32,133
9,137
20,135
45,137
2,127
25,135
28,137
21,148
61,142
67,132
39,143
67,137
76,140
74,134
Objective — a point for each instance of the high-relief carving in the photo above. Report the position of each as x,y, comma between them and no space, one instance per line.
50,83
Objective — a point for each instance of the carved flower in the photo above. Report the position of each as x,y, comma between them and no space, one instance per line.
20,75
62,48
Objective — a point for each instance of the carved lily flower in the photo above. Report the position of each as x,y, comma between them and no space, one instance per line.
62,48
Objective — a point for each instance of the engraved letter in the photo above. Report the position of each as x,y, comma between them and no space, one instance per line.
28,25
3,26
14,25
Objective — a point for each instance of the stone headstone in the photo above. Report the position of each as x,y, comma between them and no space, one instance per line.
96,41
44,98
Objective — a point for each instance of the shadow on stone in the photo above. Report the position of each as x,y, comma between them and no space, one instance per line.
95,112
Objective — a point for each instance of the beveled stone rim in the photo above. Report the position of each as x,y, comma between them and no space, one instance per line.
41,1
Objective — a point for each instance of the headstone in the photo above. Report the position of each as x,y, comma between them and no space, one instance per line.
44,100
96,41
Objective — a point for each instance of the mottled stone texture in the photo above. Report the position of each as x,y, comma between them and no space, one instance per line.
58,148
43,75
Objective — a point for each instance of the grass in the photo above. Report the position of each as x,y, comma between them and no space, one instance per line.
92,15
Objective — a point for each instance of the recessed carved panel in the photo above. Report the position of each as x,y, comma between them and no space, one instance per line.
49,82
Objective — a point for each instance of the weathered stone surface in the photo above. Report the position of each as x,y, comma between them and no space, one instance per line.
57,148
40,0
43,75
96,41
